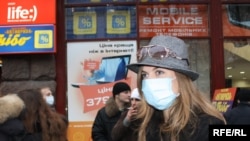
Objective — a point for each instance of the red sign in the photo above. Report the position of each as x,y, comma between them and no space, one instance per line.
96,96
16,12
223,99
173,20
91,65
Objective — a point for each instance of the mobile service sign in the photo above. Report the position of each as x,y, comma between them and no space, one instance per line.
15,12
173,20
27,39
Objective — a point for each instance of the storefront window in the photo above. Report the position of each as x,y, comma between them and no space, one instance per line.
101,22
106,1
236,20
95,1
170,0
236,23
237,62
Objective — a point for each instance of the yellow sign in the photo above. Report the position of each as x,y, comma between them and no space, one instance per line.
95,0
80,131
118,22
43,39
84,23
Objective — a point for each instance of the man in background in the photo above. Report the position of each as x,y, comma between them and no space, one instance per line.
241,113
107,116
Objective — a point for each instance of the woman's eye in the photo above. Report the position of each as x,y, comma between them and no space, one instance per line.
159,72
143,75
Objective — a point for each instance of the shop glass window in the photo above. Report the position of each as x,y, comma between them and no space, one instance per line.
101,22
95,1
237,62
236,24
236,19
170,0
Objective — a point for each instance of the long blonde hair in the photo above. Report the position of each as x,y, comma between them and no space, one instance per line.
183,111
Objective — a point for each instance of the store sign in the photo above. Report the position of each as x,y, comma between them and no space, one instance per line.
223,99
27,12
27,39
174,20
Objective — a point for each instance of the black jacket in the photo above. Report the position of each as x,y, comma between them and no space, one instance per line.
239,114
200,133
105,120
124,133
10,107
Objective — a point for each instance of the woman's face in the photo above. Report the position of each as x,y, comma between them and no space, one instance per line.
135,102
149,72
46,92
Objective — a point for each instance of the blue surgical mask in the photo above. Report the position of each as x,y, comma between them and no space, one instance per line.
158,92
50,100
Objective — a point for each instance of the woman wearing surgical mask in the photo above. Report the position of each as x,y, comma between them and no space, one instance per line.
40,122
48,96
172,108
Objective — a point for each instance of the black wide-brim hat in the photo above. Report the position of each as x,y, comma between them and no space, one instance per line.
174,44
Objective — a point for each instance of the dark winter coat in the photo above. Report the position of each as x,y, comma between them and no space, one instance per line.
105,120
124,133
10,108
200,133
239,114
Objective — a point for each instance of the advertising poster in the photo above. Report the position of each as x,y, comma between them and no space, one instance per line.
15,12
27,39
236,20
173,20
223,99
92,70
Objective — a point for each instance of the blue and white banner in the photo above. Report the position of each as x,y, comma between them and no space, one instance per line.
27,39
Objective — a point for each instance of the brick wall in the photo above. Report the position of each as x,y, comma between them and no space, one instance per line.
27,71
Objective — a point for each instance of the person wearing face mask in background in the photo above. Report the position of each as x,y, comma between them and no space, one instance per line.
40,121
124,129
173,108
48,96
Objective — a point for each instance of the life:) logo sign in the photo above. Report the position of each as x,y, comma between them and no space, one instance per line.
19,14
